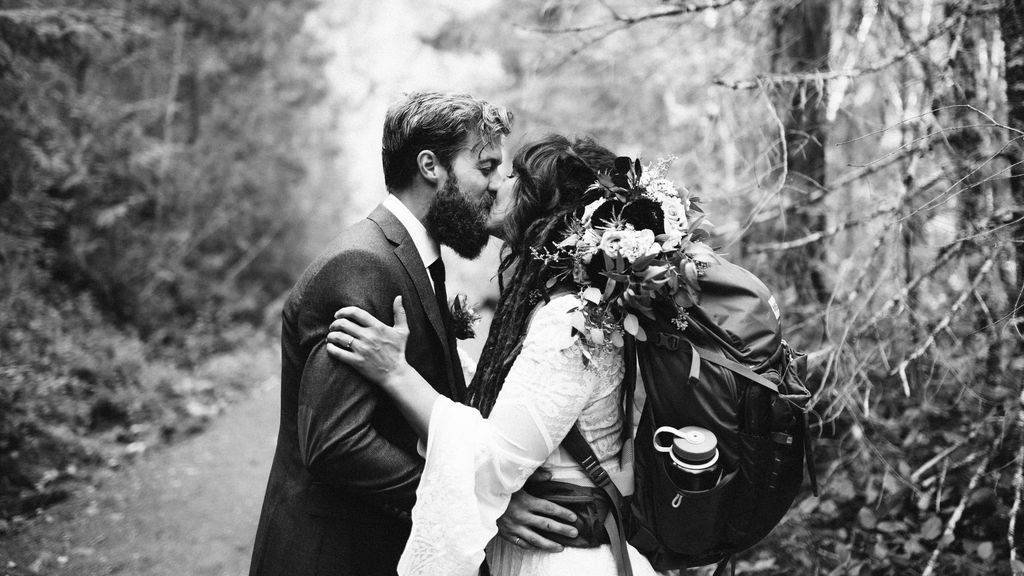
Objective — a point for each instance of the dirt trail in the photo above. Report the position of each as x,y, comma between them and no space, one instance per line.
190,509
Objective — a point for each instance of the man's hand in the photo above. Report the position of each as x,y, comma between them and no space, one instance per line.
526,514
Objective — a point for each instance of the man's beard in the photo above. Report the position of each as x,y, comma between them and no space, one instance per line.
455,222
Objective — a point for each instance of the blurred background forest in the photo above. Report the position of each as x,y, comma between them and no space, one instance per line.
168,168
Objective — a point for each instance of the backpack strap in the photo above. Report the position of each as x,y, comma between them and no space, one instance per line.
716,358
578,447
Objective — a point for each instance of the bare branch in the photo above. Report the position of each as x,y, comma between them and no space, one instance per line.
1018,484
832,231
947,535
901,370
620,22
775,79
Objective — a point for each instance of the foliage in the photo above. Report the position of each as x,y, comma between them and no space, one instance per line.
639,242
914,342
146,212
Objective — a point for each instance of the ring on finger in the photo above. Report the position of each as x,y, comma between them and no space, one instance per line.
351,339
518,541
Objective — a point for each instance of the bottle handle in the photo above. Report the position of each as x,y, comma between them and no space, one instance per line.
664,430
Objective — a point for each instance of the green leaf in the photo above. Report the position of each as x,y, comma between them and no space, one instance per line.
932,528
592,294
640,334
682,299
690,273
866,518
631,324
579,322
653,272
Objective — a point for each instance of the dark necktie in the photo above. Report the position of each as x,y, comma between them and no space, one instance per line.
437,275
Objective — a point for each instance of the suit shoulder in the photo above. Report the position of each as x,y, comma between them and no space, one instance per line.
359,257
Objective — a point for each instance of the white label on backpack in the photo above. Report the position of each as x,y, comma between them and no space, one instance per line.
775,307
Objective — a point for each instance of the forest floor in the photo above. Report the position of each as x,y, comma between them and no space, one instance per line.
190,508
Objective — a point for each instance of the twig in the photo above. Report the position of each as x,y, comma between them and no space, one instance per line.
1018,487
758,81
954,519
620,22
172,93
816,196
901,370
943,259
916,475
842,226
250,255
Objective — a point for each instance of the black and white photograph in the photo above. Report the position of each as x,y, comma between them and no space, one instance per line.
511,287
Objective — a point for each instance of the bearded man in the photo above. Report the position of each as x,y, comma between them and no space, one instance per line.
346,468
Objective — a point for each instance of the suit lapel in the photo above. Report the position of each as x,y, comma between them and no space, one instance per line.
407,254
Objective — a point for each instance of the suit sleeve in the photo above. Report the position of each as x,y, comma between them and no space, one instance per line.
337,439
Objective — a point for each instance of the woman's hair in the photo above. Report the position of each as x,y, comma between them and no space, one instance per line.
437,122
554,174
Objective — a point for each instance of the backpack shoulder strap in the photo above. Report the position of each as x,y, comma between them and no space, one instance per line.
578,447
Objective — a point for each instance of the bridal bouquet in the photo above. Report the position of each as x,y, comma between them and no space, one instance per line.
641,242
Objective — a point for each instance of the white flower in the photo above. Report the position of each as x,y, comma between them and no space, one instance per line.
661,187
675,215
630,244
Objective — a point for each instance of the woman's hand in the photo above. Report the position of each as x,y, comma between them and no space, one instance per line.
374,349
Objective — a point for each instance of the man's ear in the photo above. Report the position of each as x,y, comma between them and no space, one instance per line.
429,166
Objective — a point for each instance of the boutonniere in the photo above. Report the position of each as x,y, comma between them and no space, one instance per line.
464,318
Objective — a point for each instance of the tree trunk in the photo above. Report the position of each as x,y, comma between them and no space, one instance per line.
802,37
968,154
1011,19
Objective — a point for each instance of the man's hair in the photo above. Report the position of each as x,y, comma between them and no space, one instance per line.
437,122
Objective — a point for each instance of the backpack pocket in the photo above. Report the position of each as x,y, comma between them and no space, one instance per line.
689,522
770,479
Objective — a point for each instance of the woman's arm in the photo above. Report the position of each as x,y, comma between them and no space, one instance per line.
377,351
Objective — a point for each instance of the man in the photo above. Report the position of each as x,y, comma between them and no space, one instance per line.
345,472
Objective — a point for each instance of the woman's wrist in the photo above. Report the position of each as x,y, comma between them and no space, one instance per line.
397,377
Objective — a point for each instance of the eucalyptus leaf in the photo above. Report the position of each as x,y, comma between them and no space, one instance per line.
630,324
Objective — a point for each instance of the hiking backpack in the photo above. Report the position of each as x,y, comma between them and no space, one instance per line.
728,371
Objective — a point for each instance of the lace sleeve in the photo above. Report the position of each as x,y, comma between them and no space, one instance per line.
474,465
550,383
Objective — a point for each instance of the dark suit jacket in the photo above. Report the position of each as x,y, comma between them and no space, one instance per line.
345,472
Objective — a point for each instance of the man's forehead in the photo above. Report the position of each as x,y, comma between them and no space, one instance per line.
480,150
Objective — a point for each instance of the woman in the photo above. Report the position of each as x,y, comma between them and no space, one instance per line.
535,379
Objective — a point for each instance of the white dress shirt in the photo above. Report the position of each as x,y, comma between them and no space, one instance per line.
427,247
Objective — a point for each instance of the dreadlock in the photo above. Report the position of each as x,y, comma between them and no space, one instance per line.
554,174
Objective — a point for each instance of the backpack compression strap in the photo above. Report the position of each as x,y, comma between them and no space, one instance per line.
716,358
578,447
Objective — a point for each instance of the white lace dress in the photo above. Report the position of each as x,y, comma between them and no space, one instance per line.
474,464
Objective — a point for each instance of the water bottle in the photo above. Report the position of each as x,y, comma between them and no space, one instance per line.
693,457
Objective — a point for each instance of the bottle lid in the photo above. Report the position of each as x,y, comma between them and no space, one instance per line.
695,445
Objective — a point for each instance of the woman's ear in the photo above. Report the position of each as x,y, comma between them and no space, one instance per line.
429,166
